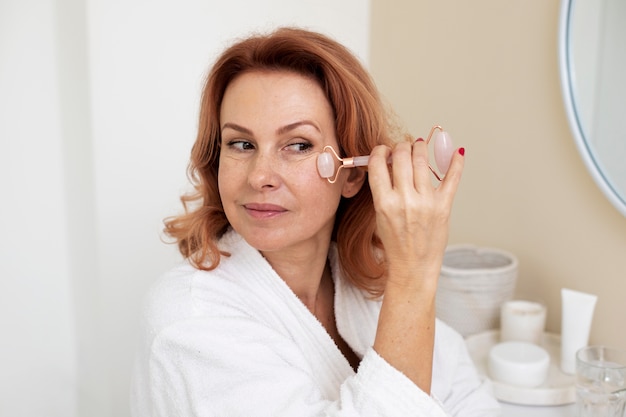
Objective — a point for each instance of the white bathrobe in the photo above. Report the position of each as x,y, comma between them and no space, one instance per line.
236,341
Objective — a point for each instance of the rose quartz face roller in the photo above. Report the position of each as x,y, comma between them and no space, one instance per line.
443,155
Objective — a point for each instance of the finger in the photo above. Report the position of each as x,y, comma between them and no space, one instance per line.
402,166
421,171
378,171
450,183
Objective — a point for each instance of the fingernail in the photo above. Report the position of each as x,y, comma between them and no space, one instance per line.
462,151
419,140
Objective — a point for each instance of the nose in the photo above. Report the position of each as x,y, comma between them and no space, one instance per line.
263,172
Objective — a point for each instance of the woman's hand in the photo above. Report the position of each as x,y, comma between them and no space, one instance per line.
412,215
412,219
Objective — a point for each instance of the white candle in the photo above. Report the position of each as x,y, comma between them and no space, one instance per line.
522,321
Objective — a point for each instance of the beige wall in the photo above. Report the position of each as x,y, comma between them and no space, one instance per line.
487,70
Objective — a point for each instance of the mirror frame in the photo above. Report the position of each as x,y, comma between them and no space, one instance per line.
568,92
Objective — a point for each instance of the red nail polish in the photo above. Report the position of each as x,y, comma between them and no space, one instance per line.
419,140
462,151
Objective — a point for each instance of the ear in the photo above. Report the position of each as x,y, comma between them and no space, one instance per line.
354,182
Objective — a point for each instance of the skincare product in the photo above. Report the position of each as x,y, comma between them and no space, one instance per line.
522,321
577,314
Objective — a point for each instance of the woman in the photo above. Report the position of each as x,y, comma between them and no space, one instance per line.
300,297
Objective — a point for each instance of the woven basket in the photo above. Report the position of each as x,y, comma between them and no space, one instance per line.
473,284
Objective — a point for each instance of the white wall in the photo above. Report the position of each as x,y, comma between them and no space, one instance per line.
98,105
37,347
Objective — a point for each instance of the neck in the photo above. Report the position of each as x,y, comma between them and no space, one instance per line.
308,276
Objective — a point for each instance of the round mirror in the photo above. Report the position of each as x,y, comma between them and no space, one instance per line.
592,60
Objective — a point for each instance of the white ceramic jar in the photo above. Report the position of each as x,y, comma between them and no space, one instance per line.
521,364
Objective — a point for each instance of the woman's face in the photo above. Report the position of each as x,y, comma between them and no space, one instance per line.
274,125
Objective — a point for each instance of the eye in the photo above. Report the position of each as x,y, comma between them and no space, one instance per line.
240,145
300,147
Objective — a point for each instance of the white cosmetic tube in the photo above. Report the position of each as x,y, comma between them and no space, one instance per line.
577,314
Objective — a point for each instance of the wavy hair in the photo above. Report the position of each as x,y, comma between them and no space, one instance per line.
361,123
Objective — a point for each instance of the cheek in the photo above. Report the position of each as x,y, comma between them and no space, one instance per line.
225,179
316,191
305,167
305,172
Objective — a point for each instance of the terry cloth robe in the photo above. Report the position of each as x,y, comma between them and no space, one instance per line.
236,341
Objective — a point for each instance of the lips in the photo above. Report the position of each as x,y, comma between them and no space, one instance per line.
264,210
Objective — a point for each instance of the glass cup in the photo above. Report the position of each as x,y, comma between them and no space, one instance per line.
600,382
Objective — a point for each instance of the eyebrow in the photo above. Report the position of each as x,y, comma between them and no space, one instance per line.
295,125
237,128
280,131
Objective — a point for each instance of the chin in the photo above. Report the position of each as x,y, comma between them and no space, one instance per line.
264,240
268,241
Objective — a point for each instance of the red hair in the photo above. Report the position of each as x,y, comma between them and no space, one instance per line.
361,123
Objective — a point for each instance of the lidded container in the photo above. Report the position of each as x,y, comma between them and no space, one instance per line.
473,284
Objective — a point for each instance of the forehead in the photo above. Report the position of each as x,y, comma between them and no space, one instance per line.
259,93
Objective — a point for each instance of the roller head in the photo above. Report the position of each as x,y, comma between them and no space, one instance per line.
325,165
444,148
